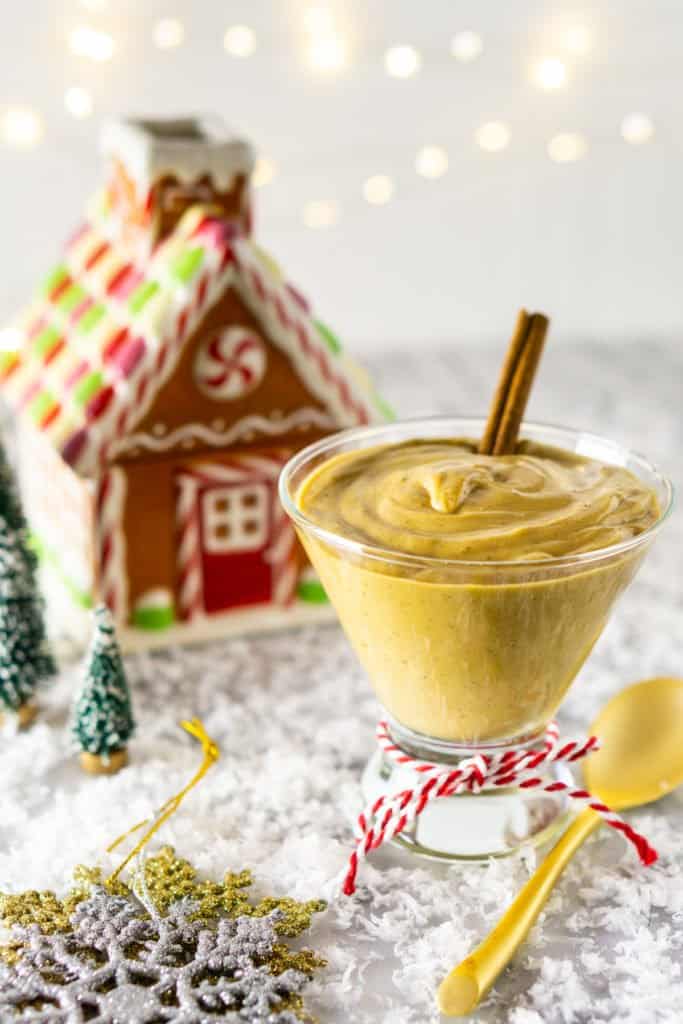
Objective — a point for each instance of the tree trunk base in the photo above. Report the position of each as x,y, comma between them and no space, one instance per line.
95,764
26,714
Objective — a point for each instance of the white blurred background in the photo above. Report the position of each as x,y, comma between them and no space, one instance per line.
426,167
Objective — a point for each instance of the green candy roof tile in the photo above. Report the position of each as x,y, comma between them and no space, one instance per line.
72,297
90,318
46,340
55,278
386,410
41,405
87,387
330,339
7,359
142,294
186,264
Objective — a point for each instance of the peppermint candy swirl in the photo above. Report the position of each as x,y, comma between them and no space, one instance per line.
230,363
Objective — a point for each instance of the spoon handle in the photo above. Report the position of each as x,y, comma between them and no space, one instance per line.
465,986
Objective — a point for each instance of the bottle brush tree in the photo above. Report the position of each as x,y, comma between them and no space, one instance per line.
11,510
25,659
103,714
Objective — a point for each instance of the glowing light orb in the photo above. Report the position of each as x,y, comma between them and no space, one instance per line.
493,136
402,61
431,162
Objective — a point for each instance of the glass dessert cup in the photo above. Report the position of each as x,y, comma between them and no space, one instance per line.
469,657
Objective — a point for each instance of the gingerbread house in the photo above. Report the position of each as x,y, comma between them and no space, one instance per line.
161,377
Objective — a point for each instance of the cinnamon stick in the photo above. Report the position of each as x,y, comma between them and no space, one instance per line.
514,351
514,386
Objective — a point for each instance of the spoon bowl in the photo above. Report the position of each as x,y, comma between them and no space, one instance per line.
641,736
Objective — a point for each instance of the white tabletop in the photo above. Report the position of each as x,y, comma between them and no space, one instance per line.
294,718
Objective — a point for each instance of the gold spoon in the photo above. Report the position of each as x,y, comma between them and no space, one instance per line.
640,760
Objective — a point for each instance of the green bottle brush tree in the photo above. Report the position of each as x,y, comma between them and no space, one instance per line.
103,714
25,659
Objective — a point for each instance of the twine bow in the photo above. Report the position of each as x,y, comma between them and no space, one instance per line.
211,754
390,815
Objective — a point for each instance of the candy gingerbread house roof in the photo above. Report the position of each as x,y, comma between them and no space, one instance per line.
103,334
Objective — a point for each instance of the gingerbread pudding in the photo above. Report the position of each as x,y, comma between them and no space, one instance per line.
472,586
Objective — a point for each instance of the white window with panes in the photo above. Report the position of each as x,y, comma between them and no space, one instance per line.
235,518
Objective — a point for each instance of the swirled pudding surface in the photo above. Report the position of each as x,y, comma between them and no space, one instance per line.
441,498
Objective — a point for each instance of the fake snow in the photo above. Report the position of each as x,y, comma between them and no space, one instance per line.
608,945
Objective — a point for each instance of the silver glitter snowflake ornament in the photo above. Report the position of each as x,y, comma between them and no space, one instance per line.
122,964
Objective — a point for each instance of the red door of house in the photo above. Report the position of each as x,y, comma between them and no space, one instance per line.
235,528
235,544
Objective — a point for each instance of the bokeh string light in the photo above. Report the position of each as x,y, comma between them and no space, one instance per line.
327,53
431,162
378,190
239,41
321,213
91,43
637,129
327,50
567,147
402,61
549,73
493,136
21,127
466,46
168,33
78,102
264,172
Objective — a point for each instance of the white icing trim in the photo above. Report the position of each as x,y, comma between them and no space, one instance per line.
201,432
148,157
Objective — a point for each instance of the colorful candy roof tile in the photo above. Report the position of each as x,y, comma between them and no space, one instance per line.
103,334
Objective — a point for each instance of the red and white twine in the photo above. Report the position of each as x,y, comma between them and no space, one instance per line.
388,816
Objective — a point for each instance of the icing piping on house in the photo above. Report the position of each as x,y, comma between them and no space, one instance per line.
300,418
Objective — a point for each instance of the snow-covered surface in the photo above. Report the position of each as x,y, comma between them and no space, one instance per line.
294,719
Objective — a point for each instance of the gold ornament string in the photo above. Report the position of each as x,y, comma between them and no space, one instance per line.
211,755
